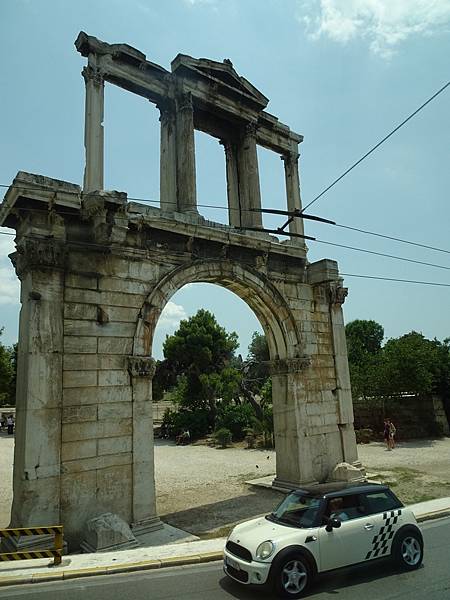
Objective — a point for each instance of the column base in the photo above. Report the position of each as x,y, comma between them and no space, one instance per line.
145,526
29,543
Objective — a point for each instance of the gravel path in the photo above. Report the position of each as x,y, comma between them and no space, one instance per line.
201,489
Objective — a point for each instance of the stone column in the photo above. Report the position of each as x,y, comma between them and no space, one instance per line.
234,208
292,443
93,128
168,161
343,390
249,189
39,264
293,195
186,184
144,517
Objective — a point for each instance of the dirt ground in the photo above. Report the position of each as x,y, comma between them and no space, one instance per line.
203,490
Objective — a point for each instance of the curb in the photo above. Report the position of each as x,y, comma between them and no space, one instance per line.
173,561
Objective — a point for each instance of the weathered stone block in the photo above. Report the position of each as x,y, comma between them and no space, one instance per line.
129,286
86,328
76,379
114,445
80,344
78,414
95,395
115,410
111,378
78,450
115,345
107,532
97,462
72,432
80,362
74,310
76,280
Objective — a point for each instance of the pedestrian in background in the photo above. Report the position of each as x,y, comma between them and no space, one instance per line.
392,432
10,424
387,433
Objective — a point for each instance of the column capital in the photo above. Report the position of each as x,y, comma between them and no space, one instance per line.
337,293
184,102
95,74
290,158
35,253
284,366
250,129
166,114
141,366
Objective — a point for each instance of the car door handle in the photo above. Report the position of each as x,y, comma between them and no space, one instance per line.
368,526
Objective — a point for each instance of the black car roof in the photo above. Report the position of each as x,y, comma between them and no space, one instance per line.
332,490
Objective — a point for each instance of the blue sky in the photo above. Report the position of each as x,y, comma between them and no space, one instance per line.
341,72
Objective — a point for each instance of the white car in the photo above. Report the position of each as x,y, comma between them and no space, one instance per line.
312,532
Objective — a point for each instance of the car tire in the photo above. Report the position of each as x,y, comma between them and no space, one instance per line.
407,549
292,576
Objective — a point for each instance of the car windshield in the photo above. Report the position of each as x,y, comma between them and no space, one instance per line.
296,511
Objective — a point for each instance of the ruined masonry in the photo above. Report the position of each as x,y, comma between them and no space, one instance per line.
96,271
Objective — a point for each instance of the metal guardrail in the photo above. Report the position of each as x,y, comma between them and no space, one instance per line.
56,553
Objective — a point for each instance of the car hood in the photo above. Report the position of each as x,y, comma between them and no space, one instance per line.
252,533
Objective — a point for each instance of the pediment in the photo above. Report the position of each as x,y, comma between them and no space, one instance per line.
218,72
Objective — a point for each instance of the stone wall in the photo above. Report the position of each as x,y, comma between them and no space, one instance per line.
413,416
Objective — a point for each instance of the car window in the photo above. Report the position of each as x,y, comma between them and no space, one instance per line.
380,501
297,511
345,508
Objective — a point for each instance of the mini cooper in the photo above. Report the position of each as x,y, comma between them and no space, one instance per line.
312,532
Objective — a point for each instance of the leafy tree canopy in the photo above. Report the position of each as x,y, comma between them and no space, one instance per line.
363,338
7,373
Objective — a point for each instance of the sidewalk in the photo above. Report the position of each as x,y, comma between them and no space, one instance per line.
151,557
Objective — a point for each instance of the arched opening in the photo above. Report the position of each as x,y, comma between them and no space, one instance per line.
197,486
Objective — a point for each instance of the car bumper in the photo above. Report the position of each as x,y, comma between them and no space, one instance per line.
245,572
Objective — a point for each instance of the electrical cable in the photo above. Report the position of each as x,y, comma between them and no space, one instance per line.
394,279
377,145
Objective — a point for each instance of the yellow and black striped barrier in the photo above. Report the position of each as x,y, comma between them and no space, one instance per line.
56,553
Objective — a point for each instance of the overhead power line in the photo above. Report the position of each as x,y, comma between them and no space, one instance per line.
394,279
386,137
280,231
271,211
93,244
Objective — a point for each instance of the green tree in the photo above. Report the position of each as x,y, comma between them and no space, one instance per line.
364,338
415,364
200,353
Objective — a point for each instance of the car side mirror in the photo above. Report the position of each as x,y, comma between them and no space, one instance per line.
332,524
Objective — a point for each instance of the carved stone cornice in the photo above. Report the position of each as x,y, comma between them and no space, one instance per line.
35,253
94,74
284,366
141,366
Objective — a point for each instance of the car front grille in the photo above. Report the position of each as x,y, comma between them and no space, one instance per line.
239,551
239,575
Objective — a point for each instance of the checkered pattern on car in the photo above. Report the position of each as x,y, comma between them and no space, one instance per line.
381,543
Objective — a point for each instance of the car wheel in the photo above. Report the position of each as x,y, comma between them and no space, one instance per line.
292,576
407,550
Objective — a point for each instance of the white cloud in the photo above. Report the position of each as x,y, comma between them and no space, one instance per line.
171,316
383,23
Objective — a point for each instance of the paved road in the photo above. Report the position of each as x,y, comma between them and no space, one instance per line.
206,582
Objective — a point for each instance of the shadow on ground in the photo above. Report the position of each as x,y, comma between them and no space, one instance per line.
204,519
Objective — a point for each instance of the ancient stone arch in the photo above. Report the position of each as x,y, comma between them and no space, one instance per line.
96,271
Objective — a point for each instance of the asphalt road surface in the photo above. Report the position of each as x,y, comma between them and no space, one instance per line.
378,581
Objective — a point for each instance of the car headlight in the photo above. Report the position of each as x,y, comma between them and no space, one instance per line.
264,550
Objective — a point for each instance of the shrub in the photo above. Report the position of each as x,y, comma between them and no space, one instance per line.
236,418
223,437
195,421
